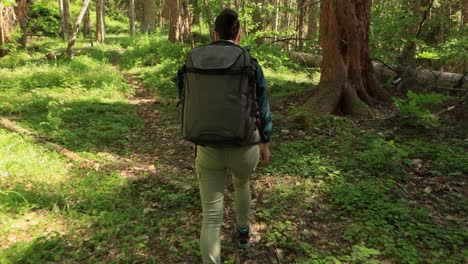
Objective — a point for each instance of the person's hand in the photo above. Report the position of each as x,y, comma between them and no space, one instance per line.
265,154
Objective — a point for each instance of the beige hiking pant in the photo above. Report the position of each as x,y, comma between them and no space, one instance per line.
212,165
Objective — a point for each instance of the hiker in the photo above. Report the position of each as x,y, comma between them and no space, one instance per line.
241,140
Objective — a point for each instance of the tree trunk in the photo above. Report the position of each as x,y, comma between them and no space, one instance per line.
257,20
64,8
131,16
347,83
174,21
196,13
313,11
276,23
149,16
2,29
464,12
22,19
100,21
209,17
76,26
186,30
87,25
301,12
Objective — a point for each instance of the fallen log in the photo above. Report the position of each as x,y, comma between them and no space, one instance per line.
383,73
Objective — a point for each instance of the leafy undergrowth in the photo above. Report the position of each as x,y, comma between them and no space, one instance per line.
343,192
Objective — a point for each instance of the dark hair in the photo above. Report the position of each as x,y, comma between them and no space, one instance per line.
227,24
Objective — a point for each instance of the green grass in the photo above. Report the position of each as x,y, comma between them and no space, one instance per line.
81,104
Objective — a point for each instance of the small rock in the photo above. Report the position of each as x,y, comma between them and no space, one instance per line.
149,210
285,131
416,162
301,133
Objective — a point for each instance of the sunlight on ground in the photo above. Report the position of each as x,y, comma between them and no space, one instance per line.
29,226
297,77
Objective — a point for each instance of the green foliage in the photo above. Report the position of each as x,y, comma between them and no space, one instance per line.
444,157
441,40
42,249
280,234
301,159
388,25
43,19
8,2
11,201
385,223
15,59
380,157
416,107
450,51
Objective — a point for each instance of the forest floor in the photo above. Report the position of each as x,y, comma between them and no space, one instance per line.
345,191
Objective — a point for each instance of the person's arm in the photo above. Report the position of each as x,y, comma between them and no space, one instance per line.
266,124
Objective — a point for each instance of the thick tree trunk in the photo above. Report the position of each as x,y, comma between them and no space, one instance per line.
22,19
174,21
76,26
64,8
131,16
100,21
347,82
87,25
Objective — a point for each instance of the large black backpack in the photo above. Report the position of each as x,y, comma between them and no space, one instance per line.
219,97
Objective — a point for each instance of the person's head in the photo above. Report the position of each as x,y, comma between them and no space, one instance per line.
227,26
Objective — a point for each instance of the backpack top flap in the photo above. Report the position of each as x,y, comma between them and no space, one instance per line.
214,57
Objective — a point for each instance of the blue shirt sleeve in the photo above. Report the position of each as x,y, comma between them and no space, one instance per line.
266,124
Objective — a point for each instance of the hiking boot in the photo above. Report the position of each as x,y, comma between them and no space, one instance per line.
243,237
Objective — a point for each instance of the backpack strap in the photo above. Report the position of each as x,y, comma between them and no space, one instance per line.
180,83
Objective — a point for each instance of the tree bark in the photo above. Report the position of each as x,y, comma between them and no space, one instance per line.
209,17
186,30
347,83
313,11
131,16
22,19
64,8
100,21
87,25
301,12
464,12
2,29
174,21
76,26
276,23
196,13
149,16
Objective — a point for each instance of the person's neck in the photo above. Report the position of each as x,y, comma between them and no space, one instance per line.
230,40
